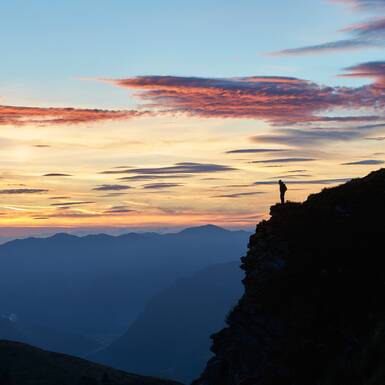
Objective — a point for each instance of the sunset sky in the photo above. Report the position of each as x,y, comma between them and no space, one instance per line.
166,114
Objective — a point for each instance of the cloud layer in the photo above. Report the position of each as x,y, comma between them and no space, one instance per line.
276,99
364,35
19,116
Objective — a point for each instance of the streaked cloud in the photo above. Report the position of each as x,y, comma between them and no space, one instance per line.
255,150
153,177
364,162
20,115
296,137
119,210
284,160
373,70
304,182
56,174
75,203
239,195
111,187
157,186
370,34
363,4
178,168
23,191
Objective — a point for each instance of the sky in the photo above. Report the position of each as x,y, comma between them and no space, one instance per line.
165,114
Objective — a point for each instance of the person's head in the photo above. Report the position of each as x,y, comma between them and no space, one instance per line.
280,182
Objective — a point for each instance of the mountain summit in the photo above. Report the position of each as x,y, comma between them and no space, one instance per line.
313,311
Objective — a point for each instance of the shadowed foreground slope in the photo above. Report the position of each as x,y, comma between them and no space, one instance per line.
313,312
22,364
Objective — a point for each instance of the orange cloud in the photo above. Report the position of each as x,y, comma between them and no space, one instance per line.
276,99
19,115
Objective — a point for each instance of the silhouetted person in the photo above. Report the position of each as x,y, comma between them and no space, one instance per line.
282,190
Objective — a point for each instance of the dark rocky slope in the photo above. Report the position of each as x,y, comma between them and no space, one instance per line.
25,365
313,312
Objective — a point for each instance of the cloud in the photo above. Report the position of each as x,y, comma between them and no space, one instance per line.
295,137
254,150
23,191
178,168
19,115
74,214
363,4
377,138
42,145
114,194
111,187
275,99
76,203
157,186
118,210
238,195
60,197
311,181
374,70
56,174
364,162
365,35
153,177
284,160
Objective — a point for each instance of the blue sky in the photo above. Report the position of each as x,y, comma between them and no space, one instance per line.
47,46
97,57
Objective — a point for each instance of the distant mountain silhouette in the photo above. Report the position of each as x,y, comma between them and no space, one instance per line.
313,311
171,337
98,284
46,338
22,364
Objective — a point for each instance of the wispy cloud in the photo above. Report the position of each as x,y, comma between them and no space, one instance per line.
364,162
75,203
304,182
157,186
363,4
365,35
296,137
20,115
119,210
239,195
373,70
153,177
111,187
23,191
178,168
255,150
57,174
284,160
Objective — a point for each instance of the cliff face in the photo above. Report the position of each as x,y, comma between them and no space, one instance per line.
313,311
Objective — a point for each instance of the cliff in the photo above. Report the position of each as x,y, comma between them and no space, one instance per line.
313,310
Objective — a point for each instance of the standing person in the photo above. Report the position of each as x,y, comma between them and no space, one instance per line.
282,190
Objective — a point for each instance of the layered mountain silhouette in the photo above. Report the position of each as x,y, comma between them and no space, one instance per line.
171,336
22,364
47,338
313,311
97,285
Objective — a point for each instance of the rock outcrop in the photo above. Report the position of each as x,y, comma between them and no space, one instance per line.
313,311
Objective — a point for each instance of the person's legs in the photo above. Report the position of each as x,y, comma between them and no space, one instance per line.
282,197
